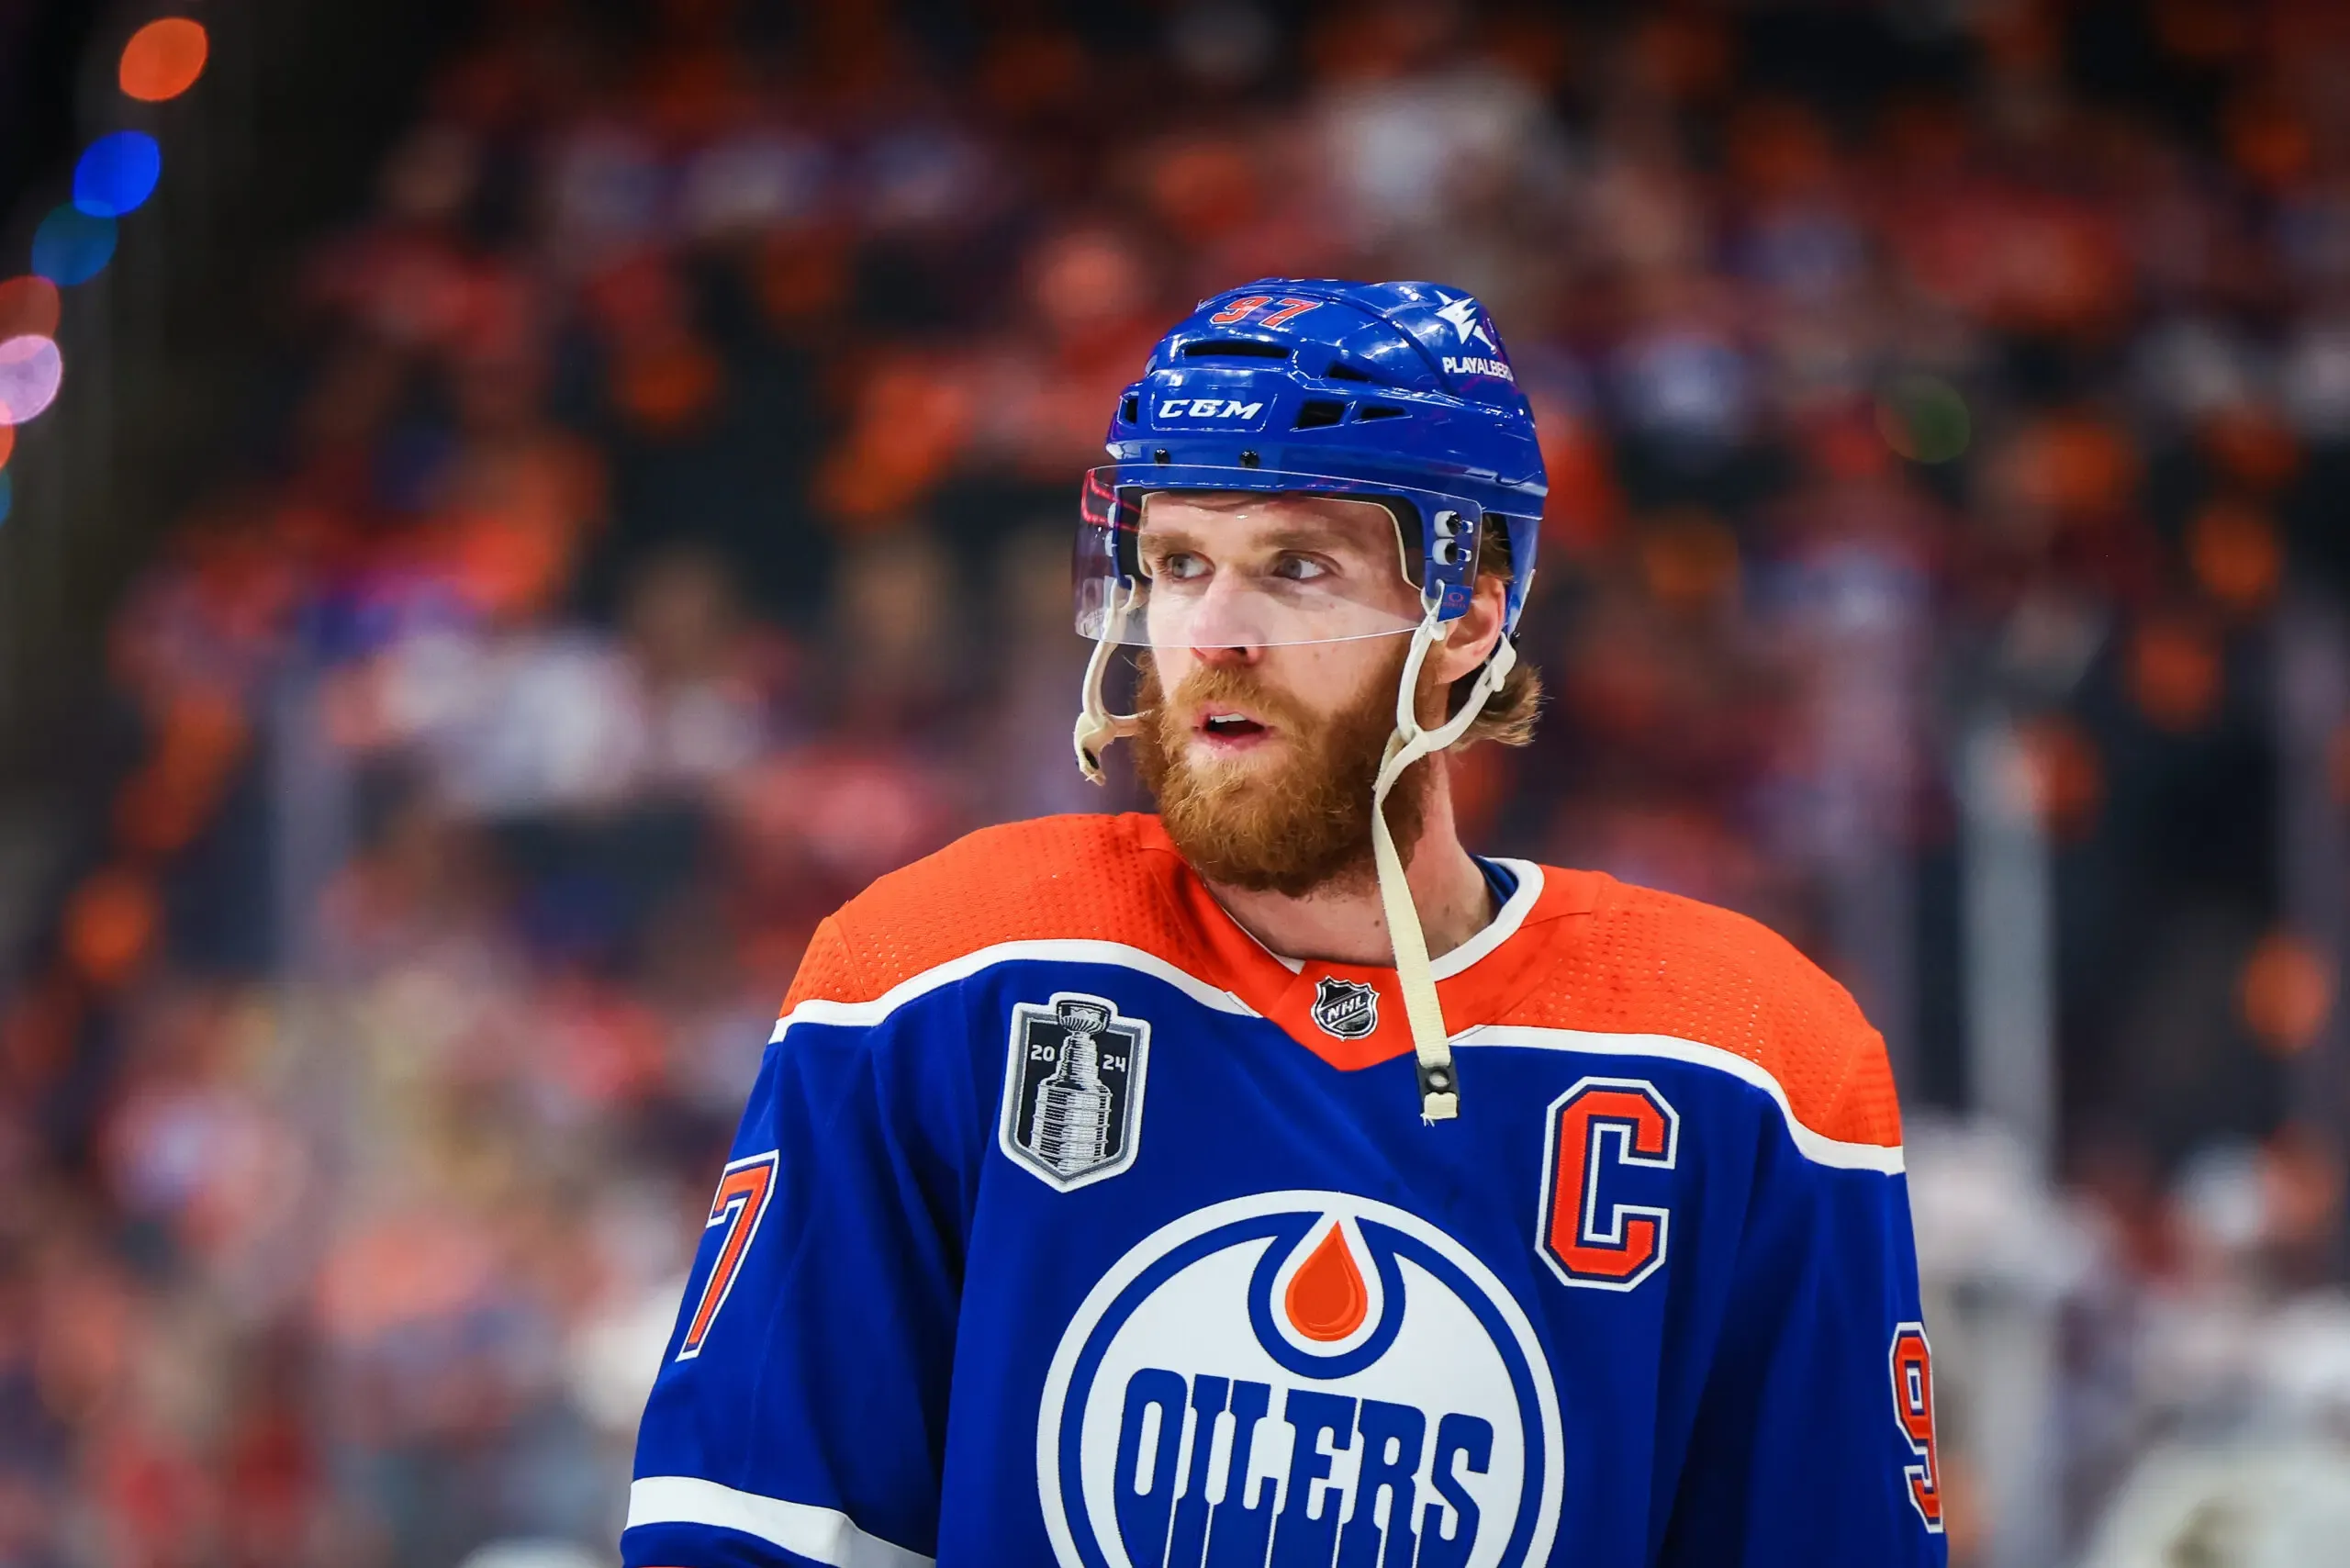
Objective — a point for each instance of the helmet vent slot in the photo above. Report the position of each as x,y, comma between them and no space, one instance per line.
1342,371
1234,348
1380,411
1314,415
1129,411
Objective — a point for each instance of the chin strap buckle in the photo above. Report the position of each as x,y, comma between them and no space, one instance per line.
1439,1095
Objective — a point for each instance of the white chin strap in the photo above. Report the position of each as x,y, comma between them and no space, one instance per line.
1439,1083
1097,728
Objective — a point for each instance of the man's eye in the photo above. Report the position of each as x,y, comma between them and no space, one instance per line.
1299,568
1179,566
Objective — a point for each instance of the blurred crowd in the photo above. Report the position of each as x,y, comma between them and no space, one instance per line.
658,525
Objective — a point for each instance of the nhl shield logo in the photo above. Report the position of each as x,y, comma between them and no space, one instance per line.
1346,1008
1072,1089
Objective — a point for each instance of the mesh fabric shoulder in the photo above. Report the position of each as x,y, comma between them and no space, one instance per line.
1091,878
1654,963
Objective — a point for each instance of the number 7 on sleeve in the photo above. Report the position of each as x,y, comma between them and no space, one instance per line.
742,1191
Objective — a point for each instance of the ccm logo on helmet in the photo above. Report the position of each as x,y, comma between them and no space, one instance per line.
1600,1132
1209,409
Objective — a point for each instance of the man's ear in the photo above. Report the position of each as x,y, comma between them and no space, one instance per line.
1469,637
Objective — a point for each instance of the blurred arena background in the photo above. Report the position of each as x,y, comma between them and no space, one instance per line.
511,511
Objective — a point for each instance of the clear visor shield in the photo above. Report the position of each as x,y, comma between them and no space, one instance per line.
1278,558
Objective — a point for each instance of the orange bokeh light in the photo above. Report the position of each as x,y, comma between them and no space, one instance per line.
2285,991
110,925
1690,559
27,309
2234,550
2177,674
2065,774
7,444
163,59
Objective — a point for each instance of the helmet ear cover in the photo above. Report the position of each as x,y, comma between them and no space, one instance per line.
1494,561
1412,532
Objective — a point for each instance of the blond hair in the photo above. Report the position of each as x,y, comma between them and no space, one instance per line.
1508,718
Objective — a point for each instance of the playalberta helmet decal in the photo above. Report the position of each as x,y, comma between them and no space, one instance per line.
1308,1372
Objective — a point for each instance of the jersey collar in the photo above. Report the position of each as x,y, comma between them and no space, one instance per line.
1318,1003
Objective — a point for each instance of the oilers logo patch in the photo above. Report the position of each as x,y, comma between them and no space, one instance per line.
1308,1374
1072,1089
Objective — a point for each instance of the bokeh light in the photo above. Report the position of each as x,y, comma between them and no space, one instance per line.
7,495
2067,775
27,305
1690,558
8,444
1924,418
2175,673
110,925
163,59
30,369
116,172
2236,555
71,246
2285,991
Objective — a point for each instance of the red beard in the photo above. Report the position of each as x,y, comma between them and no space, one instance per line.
1304,826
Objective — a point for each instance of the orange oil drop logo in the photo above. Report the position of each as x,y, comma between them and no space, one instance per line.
1326,1299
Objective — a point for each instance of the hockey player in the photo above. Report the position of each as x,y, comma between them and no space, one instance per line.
1269,1182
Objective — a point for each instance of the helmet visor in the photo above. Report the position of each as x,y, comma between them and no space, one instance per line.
1277,559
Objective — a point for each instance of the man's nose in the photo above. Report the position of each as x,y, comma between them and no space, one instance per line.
1238,656
1227,624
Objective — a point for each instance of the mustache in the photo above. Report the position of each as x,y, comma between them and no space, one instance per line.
1303,824
1228,683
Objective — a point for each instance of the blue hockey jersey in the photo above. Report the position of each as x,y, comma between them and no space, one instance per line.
1066,1224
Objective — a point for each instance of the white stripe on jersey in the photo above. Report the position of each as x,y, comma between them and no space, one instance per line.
1500,929
1055,951
1817,1148
827,1535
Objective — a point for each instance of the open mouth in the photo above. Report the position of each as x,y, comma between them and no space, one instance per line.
1230,727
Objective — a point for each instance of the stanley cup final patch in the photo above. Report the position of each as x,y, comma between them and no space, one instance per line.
1072,1089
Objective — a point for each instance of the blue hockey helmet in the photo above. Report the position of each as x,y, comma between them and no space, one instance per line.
1399,393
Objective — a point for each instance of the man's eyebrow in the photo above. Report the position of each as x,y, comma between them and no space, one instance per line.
1162,533
1283,536
1304,533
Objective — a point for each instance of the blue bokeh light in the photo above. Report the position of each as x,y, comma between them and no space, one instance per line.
8,494
116,172
72,247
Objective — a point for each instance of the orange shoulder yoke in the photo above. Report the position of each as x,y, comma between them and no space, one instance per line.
1596,955
1068,878
1645,962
